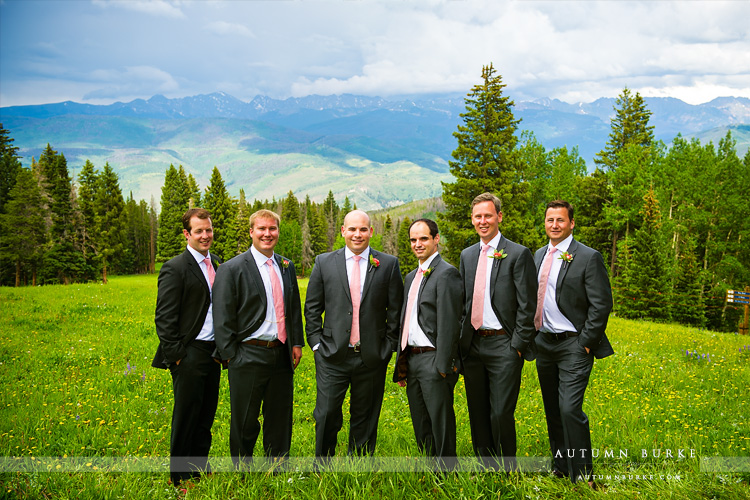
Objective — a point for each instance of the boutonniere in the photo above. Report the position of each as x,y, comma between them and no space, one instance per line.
374,262
498,254
427,272
566,256
284,263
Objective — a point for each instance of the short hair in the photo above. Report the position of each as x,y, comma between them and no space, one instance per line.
431,225
488,197
560,204
201,213
265,214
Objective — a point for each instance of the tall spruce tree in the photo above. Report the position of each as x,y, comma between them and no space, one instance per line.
10,165
688,303
88,179
407,261
22,225
110,220
170,241
223,210
194,192
486,159
243,223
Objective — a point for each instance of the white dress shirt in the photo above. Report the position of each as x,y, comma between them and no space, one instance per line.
269,330
207,331
417,337
553,320
490,321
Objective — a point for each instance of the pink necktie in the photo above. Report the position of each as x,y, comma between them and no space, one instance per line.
480,280
356,293
278,301
211,272
410,306
542,290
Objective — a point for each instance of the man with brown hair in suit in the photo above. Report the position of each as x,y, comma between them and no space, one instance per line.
498,330
186,343
428,352
574,302
360,291
258,322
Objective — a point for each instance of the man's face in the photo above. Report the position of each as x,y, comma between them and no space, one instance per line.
356,231
201,235
486,220
265,235
557,224
422,243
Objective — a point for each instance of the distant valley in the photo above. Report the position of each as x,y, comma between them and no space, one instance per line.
378,152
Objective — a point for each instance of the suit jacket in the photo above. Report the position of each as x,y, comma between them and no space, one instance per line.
182,302
379,310
513,287
240,304
439,308
584,296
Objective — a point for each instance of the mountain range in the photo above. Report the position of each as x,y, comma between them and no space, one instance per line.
378,152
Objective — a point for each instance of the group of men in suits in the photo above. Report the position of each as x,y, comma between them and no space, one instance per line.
501,307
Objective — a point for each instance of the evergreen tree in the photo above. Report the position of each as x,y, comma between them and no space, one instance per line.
687,303
243,223
22,225
174,203
407,261
318,227
390,236
630,127
290,241
486,160
10,166
88,179
647,268
110,220
290,208
308,257
331,214
194,192
223,216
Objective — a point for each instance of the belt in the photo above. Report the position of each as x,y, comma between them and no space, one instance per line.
483,332
205,344
560,335
355,348
420,350
264,343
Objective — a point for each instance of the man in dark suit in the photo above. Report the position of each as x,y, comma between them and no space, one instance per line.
574,303
360,291
428,351
258,323
498,331
186,341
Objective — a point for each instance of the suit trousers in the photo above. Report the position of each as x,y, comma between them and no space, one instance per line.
195,383
260,376
492,375
564,369
366,398
431,407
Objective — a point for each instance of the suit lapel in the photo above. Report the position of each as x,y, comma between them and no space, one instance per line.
565,266
286,280
369,275
255,276
195,268
339,260
472,258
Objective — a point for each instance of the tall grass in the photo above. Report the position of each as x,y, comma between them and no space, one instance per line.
77,384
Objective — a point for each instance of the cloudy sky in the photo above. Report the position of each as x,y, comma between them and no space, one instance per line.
102,51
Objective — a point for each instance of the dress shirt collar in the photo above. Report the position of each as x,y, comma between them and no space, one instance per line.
197,255
365,253
494,242
260,259
563,245
427,263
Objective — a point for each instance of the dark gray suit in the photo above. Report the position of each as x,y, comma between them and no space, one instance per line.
337,365
439,308
257,374
182,302
584,297
492,366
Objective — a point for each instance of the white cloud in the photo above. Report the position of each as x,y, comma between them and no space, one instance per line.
161,8
138,81
225,28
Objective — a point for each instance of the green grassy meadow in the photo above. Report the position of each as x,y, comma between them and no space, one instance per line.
77,384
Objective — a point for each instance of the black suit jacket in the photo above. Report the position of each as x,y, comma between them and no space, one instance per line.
182,303
240,303
513,287
584,295
439,309
379,310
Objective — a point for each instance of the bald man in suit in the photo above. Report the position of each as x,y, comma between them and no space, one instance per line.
574,302
360,291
